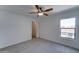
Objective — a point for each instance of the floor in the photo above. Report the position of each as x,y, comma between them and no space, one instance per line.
39,46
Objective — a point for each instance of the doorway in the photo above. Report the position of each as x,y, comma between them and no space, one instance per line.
34,35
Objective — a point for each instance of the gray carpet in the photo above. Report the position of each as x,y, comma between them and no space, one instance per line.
39,46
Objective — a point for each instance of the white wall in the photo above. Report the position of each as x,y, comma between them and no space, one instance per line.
50,27
14,28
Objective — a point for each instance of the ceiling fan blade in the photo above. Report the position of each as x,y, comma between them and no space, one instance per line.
45,14
47,10
37,6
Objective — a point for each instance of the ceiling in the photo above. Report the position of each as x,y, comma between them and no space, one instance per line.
59,8
25,9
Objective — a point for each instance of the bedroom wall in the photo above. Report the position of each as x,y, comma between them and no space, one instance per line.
14,28
50,27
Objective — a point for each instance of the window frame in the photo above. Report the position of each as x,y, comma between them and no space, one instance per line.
68,28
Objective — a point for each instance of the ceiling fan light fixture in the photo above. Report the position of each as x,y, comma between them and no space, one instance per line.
40,14
40,11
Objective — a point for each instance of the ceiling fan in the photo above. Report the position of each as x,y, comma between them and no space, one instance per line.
40,11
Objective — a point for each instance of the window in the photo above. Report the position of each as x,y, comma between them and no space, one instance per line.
67,27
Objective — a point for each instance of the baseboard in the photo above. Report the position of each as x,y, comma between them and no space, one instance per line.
60,44
14,44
